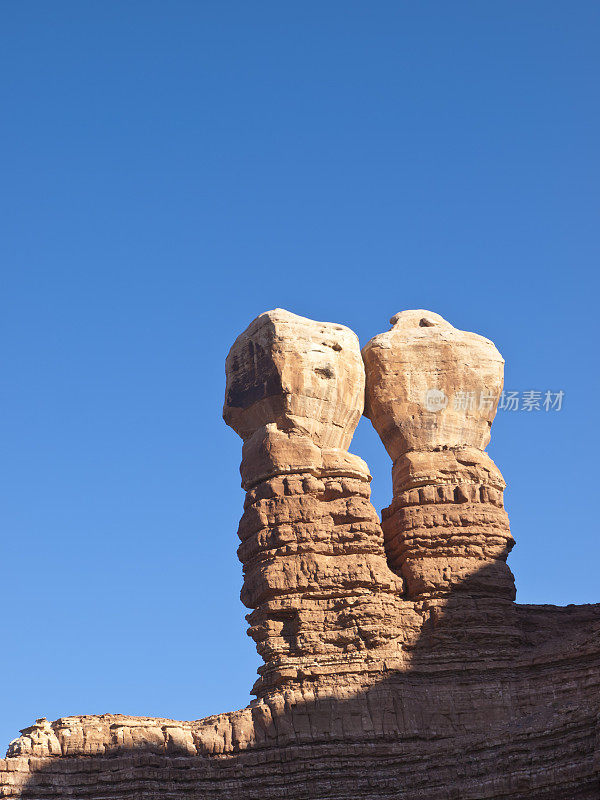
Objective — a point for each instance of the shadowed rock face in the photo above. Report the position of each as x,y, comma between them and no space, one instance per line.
396,663
305,378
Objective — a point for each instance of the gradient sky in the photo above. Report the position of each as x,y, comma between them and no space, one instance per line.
172,169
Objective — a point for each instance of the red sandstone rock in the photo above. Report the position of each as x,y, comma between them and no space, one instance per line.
435,687
446,529
315,570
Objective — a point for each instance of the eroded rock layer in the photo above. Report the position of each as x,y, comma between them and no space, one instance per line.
396,663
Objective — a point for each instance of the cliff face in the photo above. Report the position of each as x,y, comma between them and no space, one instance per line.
396,662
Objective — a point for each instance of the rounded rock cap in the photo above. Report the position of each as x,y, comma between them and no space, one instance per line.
418,318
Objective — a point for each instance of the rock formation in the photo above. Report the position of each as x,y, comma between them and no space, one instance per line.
396,662
446,521
315,572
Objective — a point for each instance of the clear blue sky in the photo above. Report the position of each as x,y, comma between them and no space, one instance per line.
172,169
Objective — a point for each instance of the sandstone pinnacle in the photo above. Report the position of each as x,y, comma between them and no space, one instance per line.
396,664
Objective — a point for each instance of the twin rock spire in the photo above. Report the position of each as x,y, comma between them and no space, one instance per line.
396,662
332,590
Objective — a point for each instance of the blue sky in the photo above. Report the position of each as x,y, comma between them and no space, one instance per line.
171,170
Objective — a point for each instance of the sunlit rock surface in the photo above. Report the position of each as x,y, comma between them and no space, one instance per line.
432,394
396,662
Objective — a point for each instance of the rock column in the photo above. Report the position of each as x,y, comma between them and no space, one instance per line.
432,393
315,572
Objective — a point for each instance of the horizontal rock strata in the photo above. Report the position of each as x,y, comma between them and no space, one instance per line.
396,662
